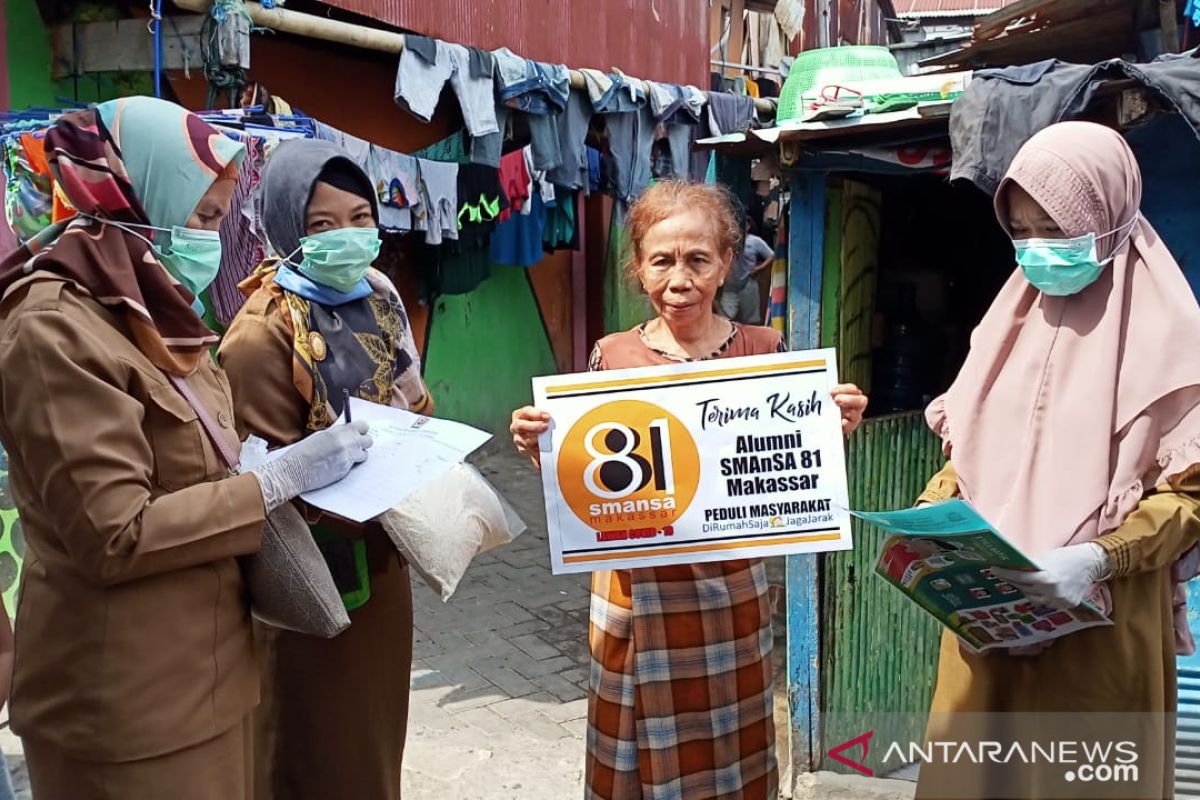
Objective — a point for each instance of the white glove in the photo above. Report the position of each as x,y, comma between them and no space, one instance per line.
1066,577
323,458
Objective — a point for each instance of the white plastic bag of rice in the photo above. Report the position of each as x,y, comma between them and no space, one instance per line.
443,525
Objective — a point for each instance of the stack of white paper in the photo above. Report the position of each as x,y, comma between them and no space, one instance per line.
409,451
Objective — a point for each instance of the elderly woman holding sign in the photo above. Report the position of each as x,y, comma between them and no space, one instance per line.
712,734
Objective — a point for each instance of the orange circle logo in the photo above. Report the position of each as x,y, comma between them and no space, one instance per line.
628,464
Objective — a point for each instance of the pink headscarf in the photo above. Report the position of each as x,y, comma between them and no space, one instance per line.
1068,408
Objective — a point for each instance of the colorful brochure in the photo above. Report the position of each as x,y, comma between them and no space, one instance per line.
941,556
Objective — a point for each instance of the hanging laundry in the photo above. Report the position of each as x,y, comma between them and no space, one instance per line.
727,113
630,142
777,300
439,201
752,88
450,269
679,147
539,91
419,83
597,85
539,182
515,182
623,95
28,195
359,149
593,160
730,113
517,242
8,239
481,201
573,124
676,104
451,149
396,177
241,247
630,124
561,230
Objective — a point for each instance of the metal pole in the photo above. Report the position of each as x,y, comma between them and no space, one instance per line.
157,23
746,67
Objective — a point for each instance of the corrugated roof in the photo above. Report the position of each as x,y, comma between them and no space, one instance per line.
921,9
663,40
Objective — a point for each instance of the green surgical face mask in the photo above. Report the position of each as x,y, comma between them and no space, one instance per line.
339,258
193,257
1062,267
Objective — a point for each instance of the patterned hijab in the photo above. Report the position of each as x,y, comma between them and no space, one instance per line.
135,160
359,345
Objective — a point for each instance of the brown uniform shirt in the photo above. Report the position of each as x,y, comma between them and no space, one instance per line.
256,353
133,636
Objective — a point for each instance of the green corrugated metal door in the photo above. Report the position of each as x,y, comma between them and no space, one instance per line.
879,651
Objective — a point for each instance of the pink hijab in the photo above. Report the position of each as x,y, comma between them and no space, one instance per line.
1069,408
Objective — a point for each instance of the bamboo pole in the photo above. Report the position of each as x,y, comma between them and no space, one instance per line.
360,36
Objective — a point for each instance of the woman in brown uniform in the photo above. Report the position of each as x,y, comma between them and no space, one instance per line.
134,673
318,325
1074,427
666,718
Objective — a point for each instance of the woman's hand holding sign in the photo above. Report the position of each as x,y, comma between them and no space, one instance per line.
851,401
528,424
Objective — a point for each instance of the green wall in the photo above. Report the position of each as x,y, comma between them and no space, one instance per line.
28,43
29,57
483,349
625,304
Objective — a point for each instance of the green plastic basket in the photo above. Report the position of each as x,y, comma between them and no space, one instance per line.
814,69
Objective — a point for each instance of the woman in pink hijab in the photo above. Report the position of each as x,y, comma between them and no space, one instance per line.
1074,427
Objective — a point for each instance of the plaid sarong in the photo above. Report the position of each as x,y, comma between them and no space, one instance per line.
680,701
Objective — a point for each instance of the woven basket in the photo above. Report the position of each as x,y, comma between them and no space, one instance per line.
814,69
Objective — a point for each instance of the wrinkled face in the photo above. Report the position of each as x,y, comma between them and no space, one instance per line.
681,267
331,208
1027,219
213,207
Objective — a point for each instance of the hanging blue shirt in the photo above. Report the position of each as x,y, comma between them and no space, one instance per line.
517,241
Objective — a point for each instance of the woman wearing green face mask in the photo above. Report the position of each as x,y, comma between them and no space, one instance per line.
320,323
135,672
1074,427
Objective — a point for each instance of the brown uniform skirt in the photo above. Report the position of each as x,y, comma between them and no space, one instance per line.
334,715
219,769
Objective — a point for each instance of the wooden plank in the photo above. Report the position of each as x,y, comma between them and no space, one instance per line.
806,254
716,25
125,46
1168,25
737,36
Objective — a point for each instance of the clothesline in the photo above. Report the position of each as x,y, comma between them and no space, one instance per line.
301,24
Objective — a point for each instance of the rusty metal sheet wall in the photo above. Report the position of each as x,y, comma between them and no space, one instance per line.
664,40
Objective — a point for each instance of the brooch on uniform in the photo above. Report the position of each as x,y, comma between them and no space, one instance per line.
316,346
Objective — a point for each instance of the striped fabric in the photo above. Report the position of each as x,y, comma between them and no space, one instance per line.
680,702
241,247
777,300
